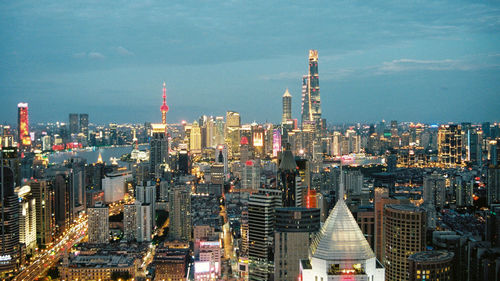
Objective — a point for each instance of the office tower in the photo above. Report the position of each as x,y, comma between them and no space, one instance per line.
294,230
365,216
195,138
129,221
493,184
382,199
311,103
180,213
244,232
287,107
44,199
353,180
98,224
450,145
258,141
27,217
287,174
404,235
221,157
158,154
219,130
183,162
232,135
431,265
261,222
73,123
46,143
485,127
9,236
146,194
84,124
164,106
340,251
244,153
63,193
434,197
250,176
144,221
23,126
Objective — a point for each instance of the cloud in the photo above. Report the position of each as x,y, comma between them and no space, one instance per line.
124,52
95,55
90,55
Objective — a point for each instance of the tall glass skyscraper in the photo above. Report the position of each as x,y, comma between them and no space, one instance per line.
311,102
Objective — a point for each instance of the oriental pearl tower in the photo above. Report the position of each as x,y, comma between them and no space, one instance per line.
164,106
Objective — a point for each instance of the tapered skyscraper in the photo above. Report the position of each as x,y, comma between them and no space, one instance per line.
287,107
311,102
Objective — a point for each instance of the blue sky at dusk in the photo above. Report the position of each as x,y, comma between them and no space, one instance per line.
430,61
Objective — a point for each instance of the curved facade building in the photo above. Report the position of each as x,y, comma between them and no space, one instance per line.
431,265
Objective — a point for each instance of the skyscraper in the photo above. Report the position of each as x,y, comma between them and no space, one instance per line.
311,102
261,221
404,235
450,145
431,265
180,213
9,236
98,224
287,107
434,197
27,217
45,223
232,137
146,194
287,174
73,123
294,229
158,155
23,126
84,124
195,138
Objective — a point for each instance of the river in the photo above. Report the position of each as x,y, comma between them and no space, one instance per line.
92,155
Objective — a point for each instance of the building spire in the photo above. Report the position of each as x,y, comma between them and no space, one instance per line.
164,106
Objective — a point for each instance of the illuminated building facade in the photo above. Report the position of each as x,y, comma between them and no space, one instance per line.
340,251
431,265
164,106
195,138
404,235
84,125
27,218
434,197
180,213
287,174
45,224
232,136
287,107
450,146
276,142
98,224
158,154
23,126
9,237
311,102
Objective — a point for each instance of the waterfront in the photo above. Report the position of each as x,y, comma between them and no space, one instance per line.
91,155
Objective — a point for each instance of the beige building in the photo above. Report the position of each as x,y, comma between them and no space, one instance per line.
98,224
97,267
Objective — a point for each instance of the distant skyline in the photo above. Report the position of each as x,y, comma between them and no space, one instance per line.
427,61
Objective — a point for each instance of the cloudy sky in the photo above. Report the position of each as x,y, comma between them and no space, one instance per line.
430,61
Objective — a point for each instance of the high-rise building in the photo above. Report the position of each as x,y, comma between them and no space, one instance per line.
250,176
98,224
45,223
23,126
158,154
195,138
180,213
232,136
27,218
164,106
287,174
404,235
146,194
311,102
431,265
434,197
144,221
261,223
9,236
73,123
450,145
294,230
493,184
340,251
84,124
287,107
129,221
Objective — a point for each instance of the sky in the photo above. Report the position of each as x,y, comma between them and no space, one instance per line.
428,61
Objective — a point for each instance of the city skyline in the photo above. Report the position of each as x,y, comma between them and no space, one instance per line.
428,62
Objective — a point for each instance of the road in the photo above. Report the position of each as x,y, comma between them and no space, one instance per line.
51,256
229,253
